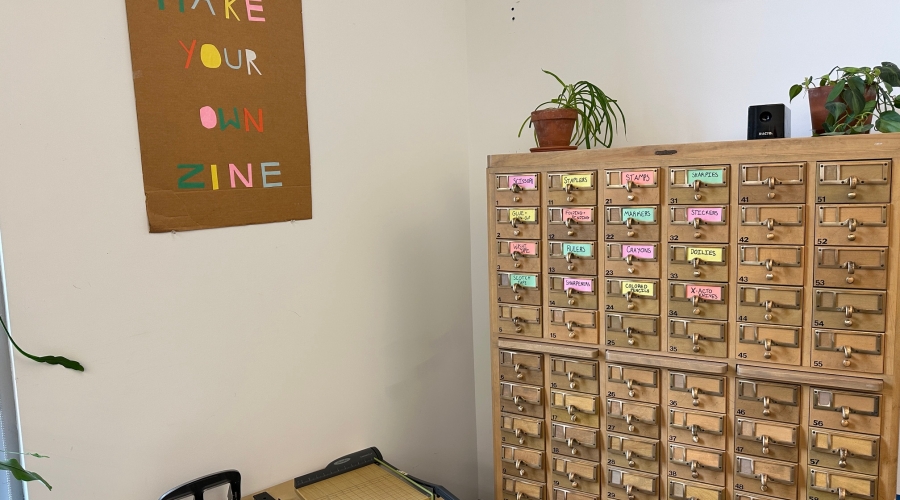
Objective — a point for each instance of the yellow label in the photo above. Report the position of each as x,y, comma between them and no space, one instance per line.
638,288
579,181
706,254
523,215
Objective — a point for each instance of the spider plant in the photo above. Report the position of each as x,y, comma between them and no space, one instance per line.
597,117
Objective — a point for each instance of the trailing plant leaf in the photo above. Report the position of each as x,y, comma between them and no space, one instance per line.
836,109
836,91
50,360
795,91
889,121
13,466
890,73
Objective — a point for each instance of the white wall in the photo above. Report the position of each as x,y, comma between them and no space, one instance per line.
272,349
683,71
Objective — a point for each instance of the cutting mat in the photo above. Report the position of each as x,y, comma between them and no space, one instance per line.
371,482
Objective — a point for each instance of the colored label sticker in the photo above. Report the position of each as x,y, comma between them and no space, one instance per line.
706,254
642,214
715,176
579,285
578,214
641,288
708,214
523,181
524,215
523,247
639,177
704,292
639,251
578,249
523,280
579,181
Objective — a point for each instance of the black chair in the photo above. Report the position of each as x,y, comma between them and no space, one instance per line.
196,487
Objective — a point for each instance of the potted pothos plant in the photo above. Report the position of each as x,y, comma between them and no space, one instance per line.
847,99
580,114
13,465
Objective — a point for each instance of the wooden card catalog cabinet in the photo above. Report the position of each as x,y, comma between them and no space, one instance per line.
696,321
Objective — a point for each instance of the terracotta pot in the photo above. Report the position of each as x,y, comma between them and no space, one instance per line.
554,127
818,113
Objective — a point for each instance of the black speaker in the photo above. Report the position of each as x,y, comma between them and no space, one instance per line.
769,121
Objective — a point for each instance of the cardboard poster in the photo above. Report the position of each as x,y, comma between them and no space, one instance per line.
220,90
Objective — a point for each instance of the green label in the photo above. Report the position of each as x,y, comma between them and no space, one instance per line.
578,249
706,176
523,280
643,214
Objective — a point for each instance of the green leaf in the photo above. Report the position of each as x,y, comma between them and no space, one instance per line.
554,76
857,84
50,360
836,109
869,107
836,91
795,90
897,101
19,472
888,122
890,73
855,100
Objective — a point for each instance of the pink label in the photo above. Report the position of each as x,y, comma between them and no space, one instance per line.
523,248
704,292
523,181
578,285
578,214
639,177
639,251
709,214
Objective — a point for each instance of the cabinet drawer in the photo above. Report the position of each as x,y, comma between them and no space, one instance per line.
771,265
572,223
851,267
515,288
698,300
697,428
564,494
575,441
698,464
852,351
574,324
519,223
857,412
522,431
862,225
767,439
703,263
769,343
841,450
636,383
686,490
630,484
632,330
838,485
581,409
854,182
578,257
704,392
576,474
776,479
633,452
572,188
579,292
768,400
523,462
849,309
639,260
516,255
773,183
699,224
519,320
699,337
524,367
625,187
521,489
772,224
517,189
521,399
577,375
780,305
641,419
635,296
630,224
707,184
